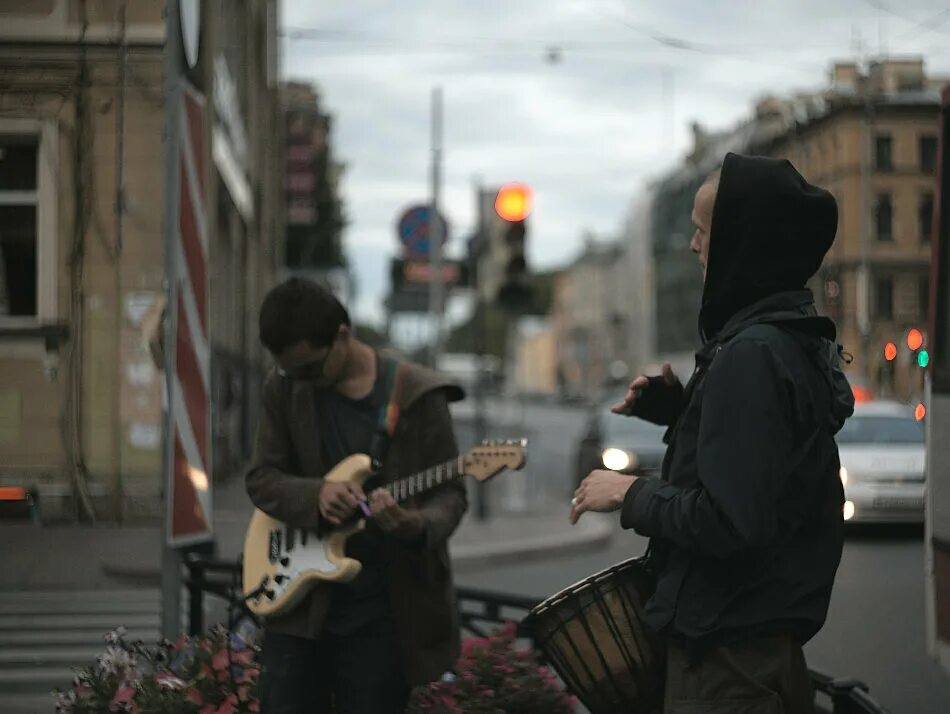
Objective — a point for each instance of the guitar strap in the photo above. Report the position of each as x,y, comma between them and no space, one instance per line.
393,373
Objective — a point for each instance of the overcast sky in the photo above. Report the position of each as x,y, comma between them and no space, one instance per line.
586,131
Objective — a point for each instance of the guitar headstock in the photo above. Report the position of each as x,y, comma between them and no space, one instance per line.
492,457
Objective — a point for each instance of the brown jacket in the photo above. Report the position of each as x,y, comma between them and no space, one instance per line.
285,478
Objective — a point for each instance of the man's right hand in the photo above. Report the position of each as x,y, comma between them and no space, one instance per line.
339,501
655,399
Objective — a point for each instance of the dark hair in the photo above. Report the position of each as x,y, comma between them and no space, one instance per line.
298,310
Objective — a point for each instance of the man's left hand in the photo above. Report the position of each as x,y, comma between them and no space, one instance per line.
602,491
393,518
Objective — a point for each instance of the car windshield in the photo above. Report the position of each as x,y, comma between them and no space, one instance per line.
630,430
881,430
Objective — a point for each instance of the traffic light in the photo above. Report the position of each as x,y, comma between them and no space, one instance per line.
513,206
915,339
916,342
890,351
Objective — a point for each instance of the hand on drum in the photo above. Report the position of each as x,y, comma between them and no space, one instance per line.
601,491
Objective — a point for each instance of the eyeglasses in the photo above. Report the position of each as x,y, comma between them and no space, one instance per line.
306,372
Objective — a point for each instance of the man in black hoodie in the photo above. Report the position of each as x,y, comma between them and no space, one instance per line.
746,523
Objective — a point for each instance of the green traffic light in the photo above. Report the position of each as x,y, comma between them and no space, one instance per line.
923,358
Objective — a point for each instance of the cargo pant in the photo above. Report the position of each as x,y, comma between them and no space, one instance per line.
760,676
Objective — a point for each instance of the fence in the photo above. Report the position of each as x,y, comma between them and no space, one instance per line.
478,609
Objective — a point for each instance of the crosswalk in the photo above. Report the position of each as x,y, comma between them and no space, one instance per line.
45,634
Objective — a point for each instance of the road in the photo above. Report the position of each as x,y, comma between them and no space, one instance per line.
875,630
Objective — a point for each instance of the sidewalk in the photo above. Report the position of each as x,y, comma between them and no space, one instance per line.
102,557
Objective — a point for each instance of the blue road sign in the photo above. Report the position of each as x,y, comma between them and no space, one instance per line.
413,231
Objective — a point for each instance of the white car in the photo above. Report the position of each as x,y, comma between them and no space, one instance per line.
882,464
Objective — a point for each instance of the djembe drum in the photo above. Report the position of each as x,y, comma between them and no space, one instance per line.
593,635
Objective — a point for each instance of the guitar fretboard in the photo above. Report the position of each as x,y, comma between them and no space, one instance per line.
405,488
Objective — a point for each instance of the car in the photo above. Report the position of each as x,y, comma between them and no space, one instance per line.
620,443
882,464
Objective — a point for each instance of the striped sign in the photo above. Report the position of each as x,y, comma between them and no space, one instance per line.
189,483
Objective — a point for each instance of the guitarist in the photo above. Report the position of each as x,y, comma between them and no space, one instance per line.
361,644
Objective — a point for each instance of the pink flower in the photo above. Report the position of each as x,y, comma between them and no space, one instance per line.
194,696
254,707
474,644
124,694
227,707
243,657
220,660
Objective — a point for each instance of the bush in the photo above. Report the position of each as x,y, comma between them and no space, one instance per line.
215,674
494,676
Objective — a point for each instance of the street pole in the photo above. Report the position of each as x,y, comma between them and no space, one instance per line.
436,291
478,337
171,565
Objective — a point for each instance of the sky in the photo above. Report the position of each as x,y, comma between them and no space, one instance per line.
584,100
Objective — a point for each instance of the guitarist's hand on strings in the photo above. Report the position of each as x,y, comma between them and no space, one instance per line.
393,518
339,501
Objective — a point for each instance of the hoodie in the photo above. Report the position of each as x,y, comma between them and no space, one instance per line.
746,522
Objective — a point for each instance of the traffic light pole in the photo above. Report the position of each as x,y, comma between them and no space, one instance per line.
436,288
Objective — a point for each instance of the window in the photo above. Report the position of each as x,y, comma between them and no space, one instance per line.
18,214
28,221
884,217
883,159
884,299
927,146
866,429
925,217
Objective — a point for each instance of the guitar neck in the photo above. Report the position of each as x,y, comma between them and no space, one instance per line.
405,488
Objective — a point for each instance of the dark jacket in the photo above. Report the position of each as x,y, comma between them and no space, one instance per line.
746,523
284,481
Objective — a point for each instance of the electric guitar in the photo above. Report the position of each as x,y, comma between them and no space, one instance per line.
281,563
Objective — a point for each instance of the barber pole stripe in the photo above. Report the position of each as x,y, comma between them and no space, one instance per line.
190,387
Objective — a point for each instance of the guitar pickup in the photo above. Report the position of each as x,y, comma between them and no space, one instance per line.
273,546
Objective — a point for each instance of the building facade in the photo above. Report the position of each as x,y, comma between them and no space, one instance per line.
81,242
871,139
590,317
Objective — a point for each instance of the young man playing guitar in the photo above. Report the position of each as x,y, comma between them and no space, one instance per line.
364,643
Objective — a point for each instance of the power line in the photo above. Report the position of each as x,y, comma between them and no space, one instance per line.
918,24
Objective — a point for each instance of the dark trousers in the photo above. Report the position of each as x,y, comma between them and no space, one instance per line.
761,676
359,673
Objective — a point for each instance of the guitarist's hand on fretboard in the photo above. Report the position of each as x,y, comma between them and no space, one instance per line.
403,523
339,501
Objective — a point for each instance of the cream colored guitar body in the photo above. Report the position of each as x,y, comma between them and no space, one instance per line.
282,564
288,561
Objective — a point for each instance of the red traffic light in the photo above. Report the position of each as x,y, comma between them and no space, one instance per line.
514,202
920,411
890,351
915,339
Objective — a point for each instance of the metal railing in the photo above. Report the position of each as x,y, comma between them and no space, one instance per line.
477,609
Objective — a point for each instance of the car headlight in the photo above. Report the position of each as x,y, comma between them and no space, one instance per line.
618,459
843,473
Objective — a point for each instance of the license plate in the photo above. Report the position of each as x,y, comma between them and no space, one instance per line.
899,503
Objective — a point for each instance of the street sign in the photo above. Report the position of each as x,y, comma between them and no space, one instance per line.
417,274
412,230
